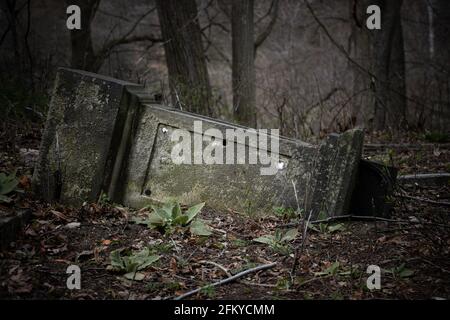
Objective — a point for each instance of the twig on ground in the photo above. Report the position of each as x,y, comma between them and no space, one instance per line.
314,279
225,270
437,203
304,227
300,249
368,218
229,274
227,280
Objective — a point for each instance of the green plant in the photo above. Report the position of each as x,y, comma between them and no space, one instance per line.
162,247
8,184
400,271
330,271
285,213
103,199
327,228
336,269
279,240
437,137
208,291
132,263
169,216
283,284
322,227
17,101
239,243
246,266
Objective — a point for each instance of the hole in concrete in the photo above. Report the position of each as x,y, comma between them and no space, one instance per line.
147,192
224,142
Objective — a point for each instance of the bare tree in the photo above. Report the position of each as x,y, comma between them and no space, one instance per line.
83,54
243,64
389,67
439,30
188,74
19,30
361,51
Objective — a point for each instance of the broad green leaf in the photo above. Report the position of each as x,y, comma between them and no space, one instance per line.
130,265
405,273
290,235
200,228
167,210
139,220
8,183
278,235
181,220
333,268
336,227
266,239
116,260
322,215
313,227
176,211
134,262
137,276
164,214
156,219
193,211
330,270
143,258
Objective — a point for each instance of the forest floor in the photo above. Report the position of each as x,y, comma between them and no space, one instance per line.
412,252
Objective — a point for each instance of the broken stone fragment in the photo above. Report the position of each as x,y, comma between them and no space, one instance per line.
78,148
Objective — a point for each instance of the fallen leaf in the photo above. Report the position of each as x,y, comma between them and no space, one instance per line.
73,225
59,215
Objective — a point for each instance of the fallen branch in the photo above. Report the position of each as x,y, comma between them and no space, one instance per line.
436,203
407,146
367,218
227,280
228,274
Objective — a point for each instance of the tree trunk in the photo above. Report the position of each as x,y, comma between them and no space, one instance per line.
396,115
83,56
441,27
389,70
9,7
186,61
361,51
243,65
440,58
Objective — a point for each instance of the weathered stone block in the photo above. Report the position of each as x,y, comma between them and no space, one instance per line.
79,144
335,170
151,175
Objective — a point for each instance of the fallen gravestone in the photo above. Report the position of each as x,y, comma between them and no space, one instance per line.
107,136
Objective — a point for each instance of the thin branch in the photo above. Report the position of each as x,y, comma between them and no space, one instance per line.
266,32
125,39
436,203
217,49
354,62
227,280
368,218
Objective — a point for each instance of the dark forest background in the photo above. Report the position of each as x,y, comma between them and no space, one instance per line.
306,67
